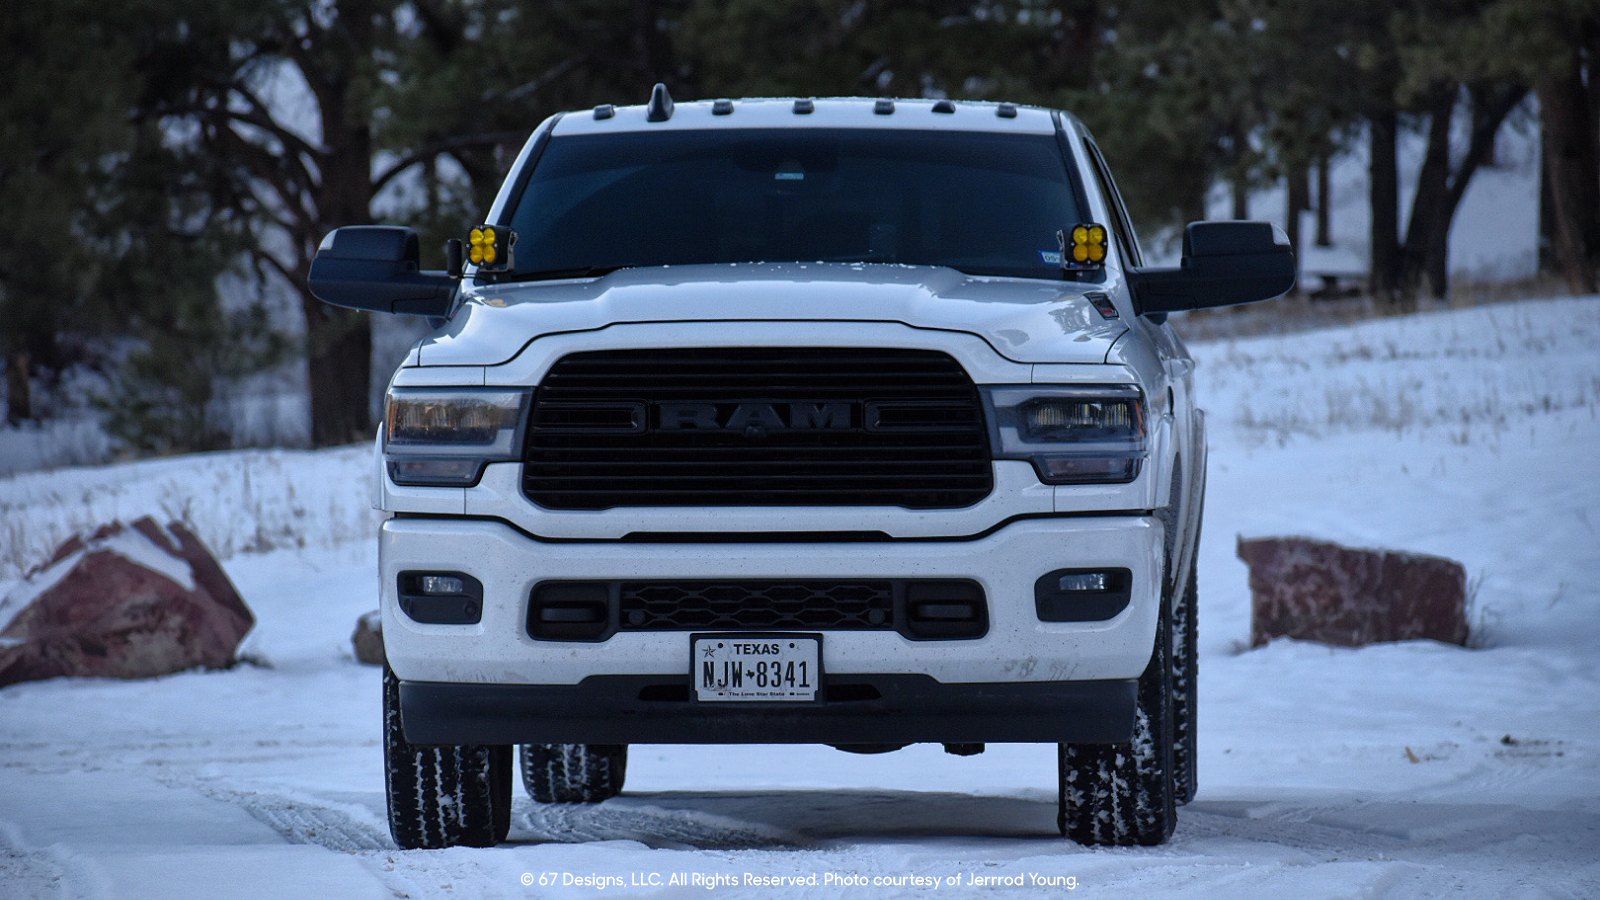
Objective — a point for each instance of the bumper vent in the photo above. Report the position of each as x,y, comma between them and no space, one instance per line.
757,427
920,609
754,606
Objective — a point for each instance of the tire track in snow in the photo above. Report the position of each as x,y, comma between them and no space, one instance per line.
42,873
302,820
649,825
300,823
1298,827
1413,830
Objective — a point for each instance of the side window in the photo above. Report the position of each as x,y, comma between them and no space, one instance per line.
1120,224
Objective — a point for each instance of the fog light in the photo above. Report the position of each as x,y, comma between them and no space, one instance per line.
1084,581
1082,595
442,584
441,598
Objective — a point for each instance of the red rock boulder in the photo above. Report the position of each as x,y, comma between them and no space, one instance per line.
368,639
127,602
1319,591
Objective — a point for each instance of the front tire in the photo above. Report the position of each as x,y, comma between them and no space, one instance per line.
1185,690
574,773
442,796
1124,794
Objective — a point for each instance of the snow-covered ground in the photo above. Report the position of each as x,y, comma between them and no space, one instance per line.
1395,771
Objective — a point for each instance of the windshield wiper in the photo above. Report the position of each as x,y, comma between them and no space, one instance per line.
556,274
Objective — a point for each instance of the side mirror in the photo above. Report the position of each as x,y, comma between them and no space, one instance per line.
1223,263
375,267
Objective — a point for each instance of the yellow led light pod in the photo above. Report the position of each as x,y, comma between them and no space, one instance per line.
1084,246
489,248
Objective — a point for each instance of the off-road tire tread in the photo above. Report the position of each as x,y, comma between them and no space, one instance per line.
442,796
574,773
1122,794
1185,690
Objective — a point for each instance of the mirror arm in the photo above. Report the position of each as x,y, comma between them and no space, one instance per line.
455,258
1158,290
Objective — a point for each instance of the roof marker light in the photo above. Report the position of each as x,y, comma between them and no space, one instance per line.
944,106
804,107
1006,110
722,108
883,107
604,111
660,108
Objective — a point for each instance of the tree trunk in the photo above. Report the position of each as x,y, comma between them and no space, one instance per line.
339,341
1299,201
1383,196
1428,229
338,365
1573,174
1441,188
19,387
1299,191
1323,201
1239,171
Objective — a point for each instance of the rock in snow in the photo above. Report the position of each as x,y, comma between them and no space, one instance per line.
1320,591
132,601
368,638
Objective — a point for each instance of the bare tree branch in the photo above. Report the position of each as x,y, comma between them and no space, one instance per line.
442,147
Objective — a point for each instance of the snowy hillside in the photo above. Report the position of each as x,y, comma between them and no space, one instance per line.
1396,771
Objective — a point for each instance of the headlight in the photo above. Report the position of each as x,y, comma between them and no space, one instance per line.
1079,434
445,436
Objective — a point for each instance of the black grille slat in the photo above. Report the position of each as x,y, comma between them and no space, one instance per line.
915,435
912,452
758,466
745,606
920,609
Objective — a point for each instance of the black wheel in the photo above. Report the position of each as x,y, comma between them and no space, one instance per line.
573,773
1185,688
443,796
1123,794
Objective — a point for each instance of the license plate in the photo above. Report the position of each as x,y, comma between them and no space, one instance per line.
755,667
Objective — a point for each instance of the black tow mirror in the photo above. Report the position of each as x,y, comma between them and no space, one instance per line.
375,267
1223,263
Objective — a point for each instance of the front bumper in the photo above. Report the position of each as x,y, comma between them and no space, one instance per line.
1017,648
881,709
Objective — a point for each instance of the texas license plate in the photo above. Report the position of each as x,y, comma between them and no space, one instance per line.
755,667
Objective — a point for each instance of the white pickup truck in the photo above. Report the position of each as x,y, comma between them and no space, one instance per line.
852,422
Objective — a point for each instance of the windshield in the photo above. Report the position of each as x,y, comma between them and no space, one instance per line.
982,203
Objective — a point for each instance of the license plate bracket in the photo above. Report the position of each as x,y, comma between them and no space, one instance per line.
755,667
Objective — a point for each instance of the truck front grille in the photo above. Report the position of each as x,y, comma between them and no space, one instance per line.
769,426
919,608
745,606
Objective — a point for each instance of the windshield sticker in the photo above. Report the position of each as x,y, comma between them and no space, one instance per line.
790,176
1050,257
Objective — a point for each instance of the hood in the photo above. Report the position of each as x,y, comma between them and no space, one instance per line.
1023,320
